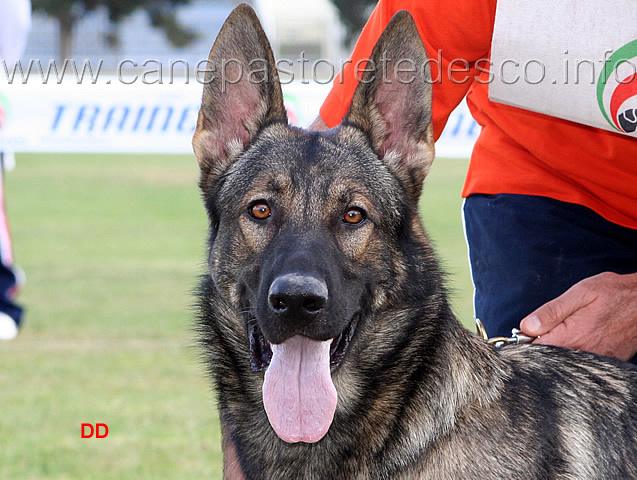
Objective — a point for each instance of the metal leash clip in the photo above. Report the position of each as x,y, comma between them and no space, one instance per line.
516,338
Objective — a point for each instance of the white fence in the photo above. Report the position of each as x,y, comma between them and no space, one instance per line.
111,116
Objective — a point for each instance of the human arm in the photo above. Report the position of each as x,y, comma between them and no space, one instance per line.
456,36
231,466
318,124
597,314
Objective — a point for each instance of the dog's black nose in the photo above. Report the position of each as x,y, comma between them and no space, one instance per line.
297,297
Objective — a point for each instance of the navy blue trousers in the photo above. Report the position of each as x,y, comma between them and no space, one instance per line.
527,250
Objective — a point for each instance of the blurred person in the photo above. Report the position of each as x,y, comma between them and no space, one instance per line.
15,23
550,206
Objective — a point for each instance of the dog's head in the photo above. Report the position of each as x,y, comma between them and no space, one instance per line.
305,226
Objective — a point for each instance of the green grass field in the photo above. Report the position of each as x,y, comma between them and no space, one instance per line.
112,246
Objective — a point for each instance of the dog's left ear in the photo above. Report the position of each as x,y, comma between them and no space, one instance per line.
241,92
392,103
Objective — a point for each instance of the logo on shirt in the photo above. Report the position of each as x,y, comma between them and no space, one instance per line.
617,89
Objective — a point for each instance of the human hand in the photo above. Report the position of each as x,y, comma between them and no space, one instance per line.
597,314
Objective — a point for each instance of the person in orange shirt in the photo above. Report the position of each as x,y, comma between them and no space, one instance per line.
550,206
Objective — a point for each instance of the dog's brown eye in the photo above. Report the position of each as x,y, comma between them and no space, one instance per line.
354,216
260,210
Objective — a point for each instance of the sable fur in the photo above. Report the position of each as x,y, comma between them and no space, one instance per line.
419,396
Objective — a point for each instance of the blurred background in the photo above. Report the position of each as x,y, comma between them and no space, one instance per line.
164,30
107,222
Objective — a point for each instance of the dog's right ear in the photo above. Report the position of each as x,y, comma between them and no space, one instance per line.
241,92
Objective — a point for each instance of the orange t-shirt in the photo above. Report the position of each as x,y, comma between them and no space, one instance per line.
518,151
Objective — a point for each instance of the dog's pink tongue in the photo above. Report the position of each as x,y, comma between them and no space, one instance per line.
298,393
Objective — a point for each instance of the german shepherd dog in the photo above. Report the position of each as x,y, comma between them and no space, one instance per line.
324,320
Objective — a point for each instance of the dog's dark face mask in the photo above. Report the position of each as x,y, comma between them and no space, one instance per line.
301,222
